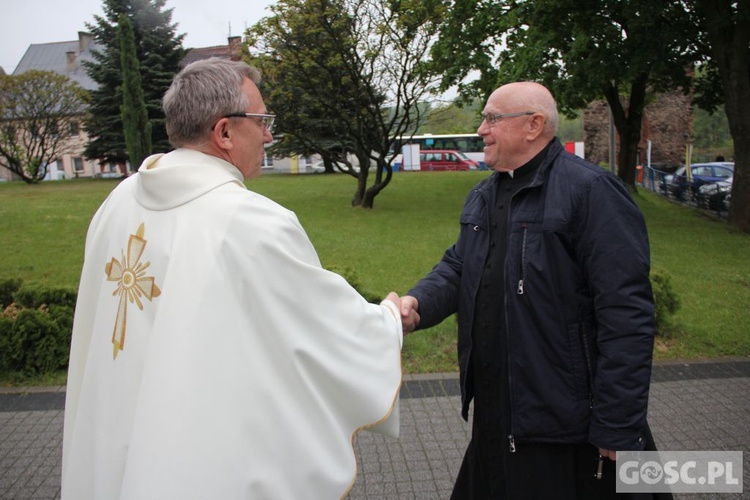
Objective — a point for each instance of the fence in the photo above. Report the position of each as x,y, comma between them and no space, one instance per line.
660,182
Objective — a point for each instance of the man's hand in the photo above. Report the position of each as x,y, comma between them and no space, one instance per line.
409,313
611,454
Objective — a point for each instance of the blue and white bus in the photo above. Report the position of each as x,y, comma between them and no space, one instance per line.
469,144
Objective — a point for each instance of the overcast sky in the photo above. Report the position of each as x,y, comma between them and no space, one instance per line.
205,22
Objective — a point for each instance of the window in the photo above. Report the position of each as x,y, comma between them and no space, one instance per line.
722,173
74,128
702,170
78,164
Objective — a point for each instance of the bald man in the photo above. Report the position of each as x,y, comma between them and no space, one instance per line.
550,280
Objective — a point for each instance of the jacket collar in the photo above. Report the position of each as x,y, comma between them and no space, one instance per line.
487,187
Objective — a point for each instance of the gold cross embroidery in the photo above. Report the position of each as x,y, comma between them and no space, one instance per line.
132,284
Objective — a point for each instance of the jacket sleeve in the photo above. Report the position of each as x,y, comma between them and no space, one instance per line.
437,292
615,249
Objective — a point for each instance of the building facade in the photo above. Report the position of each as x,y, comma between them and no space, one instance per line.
667,124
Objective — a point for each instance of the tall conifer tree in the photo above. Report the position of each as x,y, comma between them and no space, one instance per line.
159,51
135,122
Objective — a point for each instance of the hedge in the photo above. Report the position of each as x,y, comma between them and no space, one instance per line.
35,328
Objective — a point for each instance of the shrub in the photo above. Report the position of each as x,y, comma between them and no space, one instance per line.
7,288
37,297
35,330
666,301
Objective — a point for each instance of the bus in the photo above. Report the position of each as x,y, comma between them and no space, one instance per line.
469,144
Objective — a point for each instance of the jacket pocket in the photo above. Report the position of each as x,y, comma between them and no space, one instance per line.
581,367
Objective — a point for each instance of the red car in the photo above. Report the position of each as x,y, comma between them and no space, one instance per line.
445,159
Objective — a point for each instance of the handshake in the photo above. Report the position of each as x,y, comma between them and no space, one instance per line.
409,307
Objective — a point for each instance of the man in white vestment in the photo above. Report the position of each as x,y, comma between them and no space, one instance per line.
212,356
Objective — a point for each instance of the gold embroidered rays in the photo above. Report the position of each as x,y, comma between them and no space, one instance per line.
132,284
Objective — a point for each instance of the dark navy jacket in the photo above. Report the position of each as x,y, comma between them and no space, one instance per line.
578,303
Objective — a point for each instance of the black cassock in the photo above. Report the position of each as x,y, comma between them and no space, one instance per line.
490,470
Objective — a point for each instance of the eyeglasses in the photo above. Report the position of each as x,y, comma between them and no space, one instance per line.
492,118
266,120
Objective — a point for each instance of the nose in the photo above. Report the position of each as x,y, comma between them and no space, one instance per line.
483,129
267,136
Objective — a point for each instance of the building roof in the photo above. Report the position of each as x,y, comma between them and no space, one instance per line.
233,51
220,51
64,58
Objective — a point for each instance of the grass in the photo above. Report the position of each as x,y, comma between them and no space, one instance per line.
710,270
415,219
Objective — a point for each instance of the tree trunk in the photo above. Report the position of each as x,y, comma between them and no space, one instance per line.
739,209
359,194
365,197
628,123
729,35
369,200
628,156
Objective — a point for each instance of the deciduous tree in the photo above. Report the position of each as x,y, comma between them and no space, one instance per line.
623,52
725,29
452,119
37,111
346,76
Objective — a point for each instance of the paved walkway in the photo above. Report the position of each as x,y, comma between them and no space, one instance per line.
693,406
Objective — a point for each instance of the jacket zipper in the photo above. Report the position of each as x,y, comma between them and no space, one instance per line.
511,439
519,290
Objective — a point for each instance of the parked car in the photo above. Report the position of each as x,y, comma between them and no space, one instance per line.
712,195
665,183
445,159
700,173
108,175
319,167
662,174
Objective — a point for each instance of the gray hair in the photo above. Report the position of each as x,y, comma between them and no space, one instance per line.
200,94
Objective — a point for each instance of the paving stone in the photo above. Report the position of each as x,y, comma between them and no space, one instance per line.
693,406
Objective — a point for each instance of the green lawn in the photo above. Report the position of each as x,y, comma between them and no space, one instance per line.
415,219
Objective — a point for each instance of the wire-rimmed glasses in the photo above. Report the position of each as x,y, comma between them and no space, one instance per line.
492,118
266,120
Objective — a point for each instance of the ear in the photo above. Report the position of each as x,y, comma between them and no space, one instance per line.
536,126
221,135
